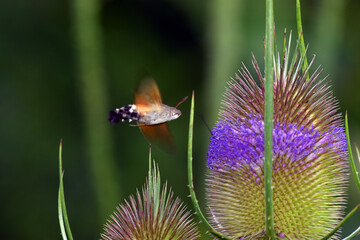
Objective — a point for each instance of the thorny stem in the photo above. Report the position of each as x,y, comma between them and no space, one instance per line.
268,122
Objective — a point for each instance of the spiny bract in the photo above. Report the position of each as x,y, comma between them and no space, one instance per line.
152,215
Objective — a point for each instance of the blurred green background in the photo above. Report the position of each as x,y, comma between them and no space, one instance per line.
53,87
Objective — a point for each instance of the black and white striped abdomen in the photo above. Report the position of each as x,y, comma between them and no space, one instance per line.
128,112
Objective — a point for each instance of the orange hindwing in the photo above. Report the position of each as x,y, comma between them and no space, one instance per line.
147,98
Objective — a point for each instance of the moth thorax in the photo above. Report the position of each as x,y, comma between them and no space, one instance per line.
158,116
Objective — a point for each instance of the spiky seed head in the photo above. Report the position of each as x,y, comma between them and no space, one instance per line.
153,214
309,156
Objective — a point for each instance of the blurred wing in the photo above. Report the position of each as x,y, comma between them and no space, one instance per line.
148,93
147,98
160,135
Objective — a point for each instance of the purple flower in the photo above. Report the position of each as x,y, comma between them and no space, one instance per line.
309,157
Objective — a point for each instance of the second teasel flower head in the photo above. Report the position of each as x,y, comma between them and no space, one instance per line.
153,214
309,156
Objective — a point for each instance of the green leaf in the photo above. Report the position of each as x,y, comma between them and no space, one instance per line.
191,179
353,234
352,162
63,218
301,37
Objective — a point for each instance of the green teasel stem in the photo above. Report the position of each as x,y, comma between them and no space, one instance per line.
63,218
352,162
301,36
341,223
268,122
191,178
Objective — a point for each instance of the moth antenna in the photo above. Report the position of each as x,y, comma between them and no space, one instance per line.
202,119
181,101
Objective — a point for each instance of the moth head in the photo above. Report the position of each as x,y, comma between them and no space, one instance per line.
174,114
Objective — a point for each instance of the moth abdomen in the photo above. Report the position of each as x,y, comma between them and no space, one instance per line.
128,112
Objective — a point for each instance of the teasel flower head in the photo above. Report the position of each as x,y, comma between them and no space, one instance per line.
153,214
309,156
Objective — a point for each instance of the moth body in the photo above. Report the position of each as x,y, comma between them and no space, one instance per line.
148,116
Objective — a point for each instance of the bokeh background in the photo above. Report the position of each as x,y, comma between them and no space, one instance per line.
60,74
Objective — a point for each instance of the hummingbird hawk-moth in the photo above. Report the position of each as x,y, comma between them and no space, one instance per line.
150,114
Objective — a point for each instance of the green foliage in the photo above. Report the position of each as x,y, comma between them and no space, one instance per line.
63,217
41,99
